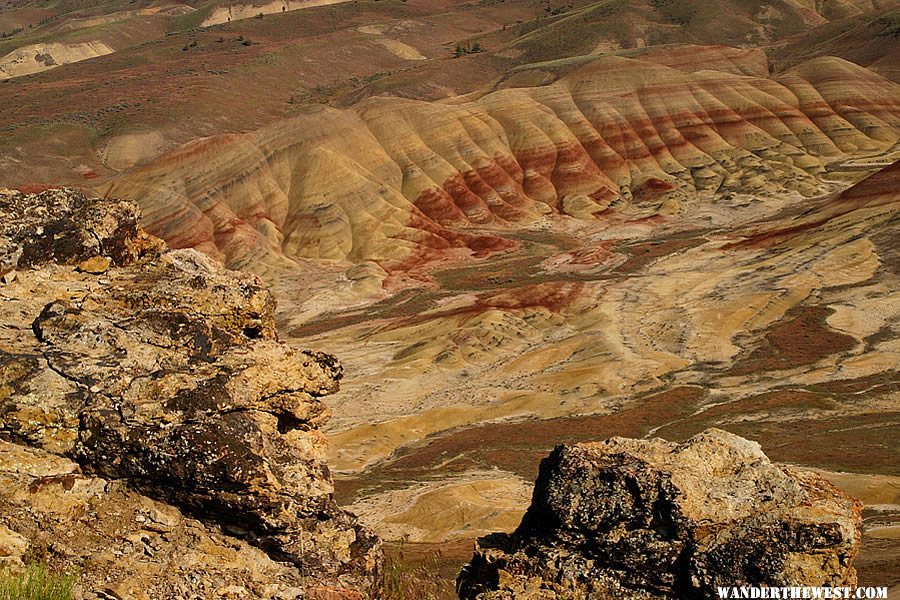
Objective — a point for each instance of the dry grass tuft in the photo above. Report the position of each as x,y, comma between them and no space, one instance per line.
404,579
36,582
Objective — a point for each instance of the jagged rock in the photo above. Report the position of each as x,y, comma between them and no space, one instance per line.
164,370
652,519
12,546
108,531
66,228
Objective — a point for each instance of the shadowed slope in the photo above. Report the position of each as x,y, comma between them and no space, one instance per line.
869,40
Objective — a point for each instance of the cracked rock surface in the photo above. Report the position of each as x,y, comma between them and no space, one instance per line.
161,372
644,519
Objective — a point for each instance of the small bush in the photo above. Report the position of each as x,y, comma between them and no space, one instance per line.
37,582
467,49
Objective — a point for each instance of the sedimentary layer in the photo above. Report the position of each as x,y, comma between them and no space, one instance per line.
403,182
772,316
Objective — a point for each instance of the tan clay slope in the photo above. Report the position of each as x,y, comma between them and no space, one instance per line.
236,12
73,36
35,58
382,182
76,37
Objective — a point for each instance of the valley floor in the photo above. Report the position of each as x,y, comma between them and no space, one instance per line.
773,317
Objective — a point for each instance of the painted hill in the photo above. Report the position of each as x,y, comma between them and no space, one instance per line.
152,75
386,180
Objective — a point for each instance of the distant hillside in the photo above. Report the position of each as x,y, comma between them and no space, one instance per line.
870,40
94,88
391,179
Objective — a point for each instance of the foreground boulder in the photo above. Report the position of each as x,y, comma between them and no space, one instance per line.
125,545
652,519
162,370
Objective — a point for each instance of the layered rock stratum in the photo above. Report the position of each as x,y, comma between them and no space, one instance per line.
156,434
642,519
772,317
393,180
181,70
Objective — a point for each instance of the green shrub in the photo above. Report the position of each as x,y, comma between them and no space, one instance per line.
36,582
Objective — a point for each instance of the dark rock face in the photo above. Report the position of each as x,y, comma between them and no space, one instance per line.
164,369
58,226
651,519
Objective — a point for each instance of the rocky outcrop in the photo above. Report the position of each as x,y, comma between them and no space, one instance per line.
125,545
652,519
163,370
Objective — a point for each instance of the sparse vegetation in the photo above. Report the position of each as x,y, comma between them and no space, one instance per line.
36,582
403,581
681,13
553,11
889,24
468,48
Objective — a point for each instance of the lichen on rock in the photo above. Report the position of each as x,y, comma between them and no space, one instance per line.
638,519
163,370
